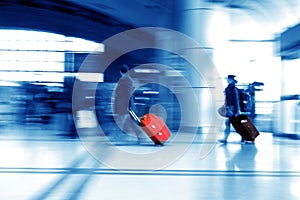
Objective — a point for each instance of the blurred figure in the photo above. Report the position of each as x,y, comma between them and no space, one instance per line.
231,104
124,99
66,108
252,88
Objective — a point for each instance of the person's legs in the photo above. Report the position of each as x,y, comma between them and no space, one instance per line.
131,128
226,131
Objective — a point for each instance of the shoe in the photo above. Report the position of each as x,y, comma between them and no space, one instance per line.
223,141
249,142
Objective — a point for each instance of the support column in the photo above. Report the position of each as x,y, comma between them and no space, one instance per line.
194,18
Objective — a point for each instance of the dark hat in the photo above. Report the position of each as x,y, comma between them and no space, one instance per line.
232,77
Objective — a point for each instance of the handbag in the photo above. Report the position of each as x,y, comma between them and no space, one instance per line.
226,111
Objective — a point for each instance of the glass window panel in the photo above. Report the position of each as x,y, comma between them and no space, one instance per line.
31,66
290,77
37,56
31,53
31,76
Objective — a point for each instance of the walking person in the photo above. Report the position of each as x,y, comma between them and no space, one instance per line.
232,105
124,99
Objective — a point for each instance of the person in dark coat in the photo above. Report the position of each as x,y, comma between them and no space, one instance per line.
124,92
124,99
232,105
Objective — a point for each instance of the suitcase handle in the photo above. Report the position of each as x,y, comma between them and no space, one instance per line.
135,117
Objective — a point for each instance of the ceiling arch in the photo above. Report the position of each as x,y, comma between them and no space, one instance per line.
60,17
97,20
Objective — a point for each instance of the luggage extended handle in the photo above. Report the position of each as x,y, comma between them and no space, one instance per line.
135,117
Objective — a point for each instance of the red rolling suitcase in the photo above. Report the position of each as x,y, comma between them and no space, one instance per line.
245,127
153,126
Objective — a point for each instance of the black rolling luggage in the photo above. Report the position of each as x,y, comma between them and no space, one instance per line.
244,126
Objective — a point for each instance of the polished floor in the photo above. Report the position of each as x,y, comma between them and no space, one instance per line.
38,164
